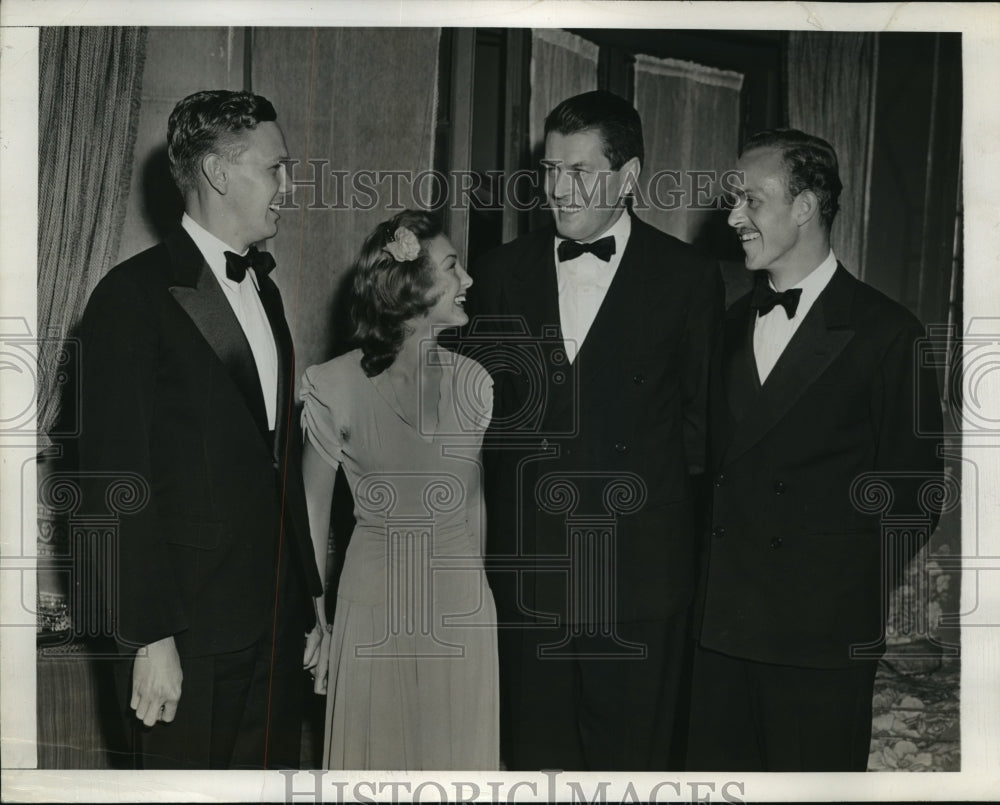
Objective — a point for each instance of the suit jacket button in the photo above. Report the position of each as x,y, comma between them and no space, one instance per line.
545,444
639,379
621,447
776,543
720,479
779,487
718,532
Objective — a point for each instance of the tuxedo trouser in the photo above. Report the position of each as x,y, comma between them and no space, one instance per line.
593,704
753,716
238,710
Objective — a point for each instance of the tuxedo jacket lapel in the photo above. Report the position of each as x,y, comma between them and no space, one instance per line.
820,338
271,299
197,291
533,288
625,299
534,294
743,384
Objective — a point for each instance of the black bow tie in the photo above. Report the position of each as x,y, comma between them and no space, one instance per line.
765,299
601,249
237,264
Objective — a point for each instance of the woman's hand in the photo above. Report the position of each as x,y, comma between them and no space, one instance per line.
316,659
313,640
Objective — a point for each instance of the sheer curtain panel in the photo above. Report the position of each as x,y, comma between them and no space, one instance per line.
830,94
690,118
562,65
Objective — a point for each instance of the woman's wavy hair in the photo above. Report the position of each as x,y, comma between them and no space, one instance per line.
388,293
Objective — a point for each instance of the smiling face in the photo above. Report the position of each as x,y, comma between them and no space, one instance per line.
450,282
767,221
256,185
584,192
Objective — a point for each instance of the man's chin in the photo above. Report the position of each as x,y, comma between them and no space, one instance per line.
562,230
753,262
266,234
570,232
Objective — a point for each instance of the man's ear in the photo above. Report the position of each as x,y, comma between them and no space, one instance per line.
214,168
630,177
806,207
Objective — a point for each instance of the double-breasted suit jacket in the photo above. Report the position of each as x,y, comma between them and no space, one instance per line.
171,393
602,447
793,567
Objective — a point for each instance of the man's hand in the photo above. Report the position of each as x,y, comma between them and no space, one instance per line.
156,682
317,656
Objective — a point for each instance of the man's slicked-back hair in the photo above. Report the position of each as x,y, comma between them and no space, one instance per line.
210,122
610,115
810,164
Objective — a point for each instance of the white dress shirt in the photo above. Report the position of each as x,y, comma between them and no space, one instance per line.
773,331
583,283
244,298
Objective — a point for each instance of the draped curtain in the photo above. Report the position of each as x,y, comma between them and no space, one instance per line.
350,100
830,94
89,85
88,104
562,65
690,118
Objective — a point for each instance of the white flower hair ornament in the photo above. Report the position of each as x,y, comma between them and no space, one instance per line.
403,246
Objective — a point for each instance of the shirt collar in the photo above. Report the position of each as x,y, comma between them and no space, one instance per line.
813,283
816,280
213,250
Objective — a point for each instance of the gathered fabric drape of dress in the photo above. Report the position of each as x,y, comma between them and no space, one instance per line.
691,121
831,87
88,108
413,672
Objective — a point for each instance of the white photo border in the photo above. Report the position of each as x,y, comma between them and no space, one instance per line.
979,778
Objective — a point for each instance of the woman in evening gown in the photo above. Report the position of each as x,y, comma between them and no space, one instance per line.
409,665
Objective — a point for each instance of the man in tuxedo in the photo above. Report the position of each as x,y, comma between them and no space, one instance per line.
817,409
598,333
187,391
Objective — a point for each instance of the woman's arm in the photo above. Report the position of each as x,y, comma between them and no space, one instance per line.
318,476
